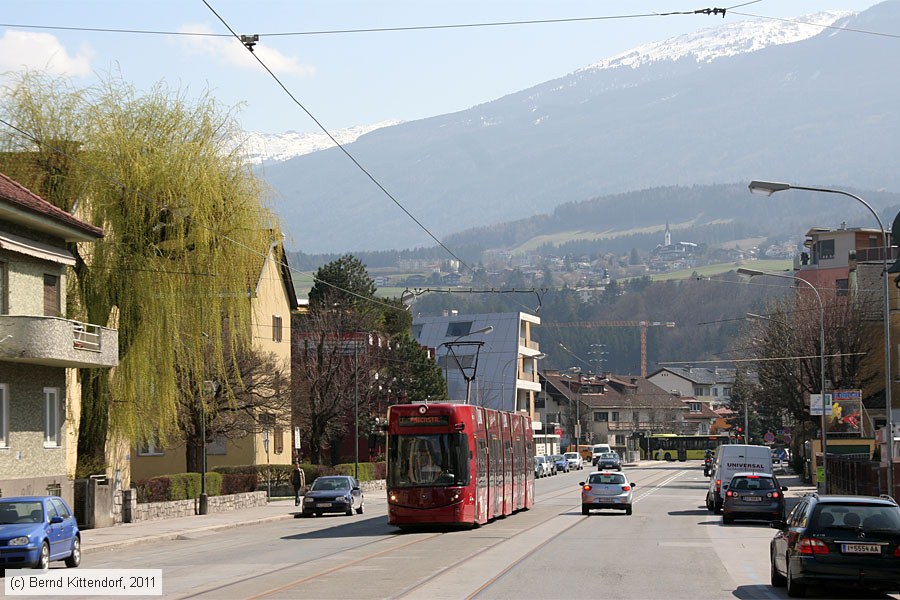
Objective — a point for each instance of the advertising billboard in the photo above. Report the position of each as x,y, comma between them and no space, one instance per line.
846,413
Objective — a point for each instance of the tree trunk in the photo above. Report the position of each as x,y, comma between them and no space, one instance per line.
94,424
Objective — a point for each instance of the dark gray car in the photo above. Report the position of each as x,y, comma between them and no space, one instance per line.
333,493
753,496
609,460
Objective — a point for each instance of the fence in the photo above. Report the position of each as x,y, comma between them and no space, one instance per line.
858,475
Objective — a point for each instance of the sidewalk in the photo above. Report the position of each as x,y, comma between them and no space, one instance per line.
128,534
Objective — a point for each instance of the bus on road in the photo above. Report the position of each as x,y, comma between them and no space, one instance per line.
671,446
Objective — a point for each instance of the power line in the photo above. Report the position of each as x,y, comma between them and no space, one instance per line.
139,193
336,143
822,25
376,29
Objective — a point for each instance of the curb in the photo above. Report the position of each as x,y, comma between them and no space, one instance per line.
171,535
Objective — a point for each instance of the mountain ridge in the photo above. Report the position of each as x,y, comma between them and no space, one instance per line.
826,114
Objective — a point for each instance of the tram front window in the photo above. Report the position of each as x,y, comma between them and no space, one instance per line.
428,460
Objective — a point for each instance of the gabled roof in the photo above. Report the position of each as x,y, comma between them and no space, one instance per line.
618,391
701,376
19,204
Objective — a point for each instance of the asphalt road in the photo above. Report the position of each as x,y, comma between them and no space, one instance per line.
671,547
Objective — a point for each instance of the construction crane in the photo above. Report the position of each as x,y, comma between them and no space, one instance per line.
643,325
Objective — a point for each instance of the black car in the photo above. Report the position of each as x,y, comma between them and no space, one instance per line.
608,460
333,493
756,496
838,541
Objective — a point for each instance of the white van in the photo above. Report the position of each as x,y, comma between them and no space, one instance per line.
597,450
731,459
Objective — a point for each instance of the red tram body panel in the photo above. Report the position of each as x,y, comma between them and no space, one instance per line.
457,464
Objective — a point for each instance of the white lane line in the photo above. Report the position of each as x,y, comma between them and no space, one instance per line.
660,485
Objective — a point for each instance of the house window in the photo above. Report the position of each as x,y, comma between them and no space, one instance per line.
459,328
52,306
824,250
842,286
715,392
695,407
614,416
620,440
4,416
52,418
276,328
601,417
278,434
151,447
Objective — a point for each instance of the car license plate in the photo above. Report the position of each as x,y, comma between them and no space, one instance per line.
751,498
324,504
861,548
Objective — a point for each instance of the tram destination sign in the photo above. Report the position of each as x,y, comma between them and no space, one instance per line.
424,421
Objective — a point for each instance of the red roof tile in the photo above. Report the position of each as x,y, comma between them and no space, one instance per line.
17,194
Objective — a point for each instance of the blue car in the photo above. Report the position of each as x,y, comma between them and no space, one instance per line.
562,463
35,530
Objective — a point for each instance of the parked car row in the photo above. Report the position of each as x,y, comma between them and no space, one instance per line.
551,464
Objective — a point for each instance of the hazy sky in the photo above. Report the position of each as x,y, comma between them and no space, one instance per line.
347,79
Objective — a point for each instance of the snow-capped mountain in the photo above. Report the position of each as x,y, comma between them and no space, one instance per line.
277,147
709,44
768,99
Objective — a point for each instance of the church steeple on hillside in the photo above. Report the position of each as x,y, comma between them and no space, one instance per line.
667,241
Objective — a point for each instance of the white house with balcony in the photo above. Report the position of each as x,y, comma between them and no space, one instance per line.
40,348
496,368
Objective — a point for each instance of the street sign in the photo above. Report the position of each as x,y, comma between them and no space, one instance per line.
769,437
815,404
297,438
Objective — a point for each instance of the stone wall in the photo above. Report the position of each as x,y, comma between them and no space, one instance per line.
132,512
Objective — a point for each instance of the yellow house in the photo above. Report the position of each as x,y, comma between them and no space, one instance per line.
272,303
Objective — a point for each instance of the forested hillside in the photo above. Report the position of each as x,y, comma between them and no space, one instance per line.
708,314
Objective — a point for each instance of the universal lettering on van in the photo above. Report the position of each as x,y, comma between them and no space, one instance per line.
752,466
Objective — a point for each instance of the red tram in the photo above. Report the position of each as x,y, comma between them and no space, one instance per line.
457,464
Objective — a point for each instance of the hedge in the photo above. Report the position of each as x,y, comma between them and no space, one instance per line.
178,486
367,471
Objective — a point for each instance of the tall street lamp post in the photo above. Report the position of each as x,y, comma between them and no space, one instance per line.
767,188
823,424
454,343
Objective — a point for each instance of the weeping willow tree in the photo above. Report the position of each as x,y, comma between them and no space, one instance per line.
185,236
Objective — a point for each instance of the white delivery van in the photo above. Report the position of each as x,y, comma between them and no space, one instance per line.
731,459
597,450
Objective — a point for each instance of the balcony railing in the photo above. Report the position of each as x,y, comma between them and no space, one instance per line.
876,254
57,342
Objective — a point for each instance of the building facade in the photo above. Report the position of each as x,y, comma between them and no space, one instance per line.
272,302
40,347
497,369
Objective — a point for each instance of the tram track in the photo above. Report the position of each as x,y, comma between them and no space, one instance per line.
656,481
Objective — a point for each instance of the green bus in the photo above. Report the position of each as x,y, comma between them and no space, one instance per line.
671,446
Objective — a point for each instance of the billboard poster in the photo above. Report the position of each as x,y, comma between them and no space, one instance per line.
846,413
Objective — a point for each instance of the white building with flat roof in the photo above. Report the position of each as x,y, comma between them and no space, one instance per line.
497,368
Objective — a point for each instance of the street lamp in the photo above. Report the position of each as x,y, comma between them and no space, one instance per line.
767,188
455,342
753,273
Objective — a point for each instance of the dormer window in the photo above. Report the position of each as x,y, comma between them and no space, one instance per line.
695,407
